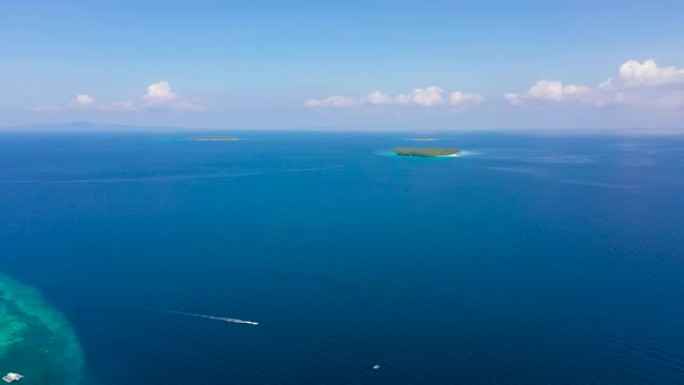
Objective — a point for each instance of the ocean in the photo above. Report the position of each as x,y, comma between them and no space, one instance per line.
530,259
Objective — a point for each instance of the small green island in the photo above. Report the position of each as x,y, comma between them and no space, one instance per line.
426,152
215,139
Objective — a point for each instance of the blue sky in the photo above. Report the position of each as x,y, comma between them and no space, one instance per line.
312,64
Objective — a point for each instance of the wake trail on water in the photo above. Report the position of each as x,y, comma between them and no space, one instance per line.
172,178
211,317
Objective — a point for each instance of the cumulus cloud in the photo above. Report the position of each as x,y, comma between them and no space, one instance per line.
550,90
636,84
423,97
459,98
427,97
381,98
84,100
633,73
159,96
159,92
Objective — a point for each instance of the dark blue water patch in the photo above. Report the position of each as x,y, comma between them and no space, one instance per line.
533,260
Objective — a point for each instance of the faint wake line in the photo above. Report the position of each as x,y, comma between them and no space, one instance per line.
132,180
164,178
211,317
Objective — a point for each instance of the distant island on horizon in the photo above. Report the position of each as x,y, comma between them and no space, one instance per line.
426,152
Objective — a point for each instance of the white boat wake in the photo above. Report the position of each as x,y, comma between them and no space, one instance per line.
211,317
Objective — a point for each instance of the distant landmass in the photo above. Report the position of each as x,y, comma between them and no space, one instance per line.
426,152
96,127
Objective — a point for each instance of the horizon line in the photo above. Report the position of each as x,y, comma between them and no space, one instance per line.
83,127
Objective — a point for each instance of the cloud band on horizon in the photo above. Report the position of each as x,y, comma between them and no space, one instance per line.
637,84
423,97
159,96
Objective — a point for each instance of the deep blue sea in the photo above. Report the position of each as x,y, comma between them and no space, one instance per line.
530,259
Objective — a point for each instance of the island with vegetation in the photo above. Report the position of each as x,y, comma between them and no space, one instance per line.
426,152
215,139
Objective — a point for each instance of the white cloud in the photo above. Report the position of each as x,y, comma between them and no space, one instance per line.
84,100
81,101
332,101
459,98
637,84
159,92
378,97
550,90
427,97
381,98
158,97
634,73
423,97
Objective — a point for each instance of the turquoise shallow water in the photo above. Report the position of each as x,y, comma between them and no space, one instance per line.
529,260
35,338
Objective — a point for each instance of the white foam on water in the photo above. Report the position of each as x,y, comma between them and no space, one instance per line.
468,153
211,317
